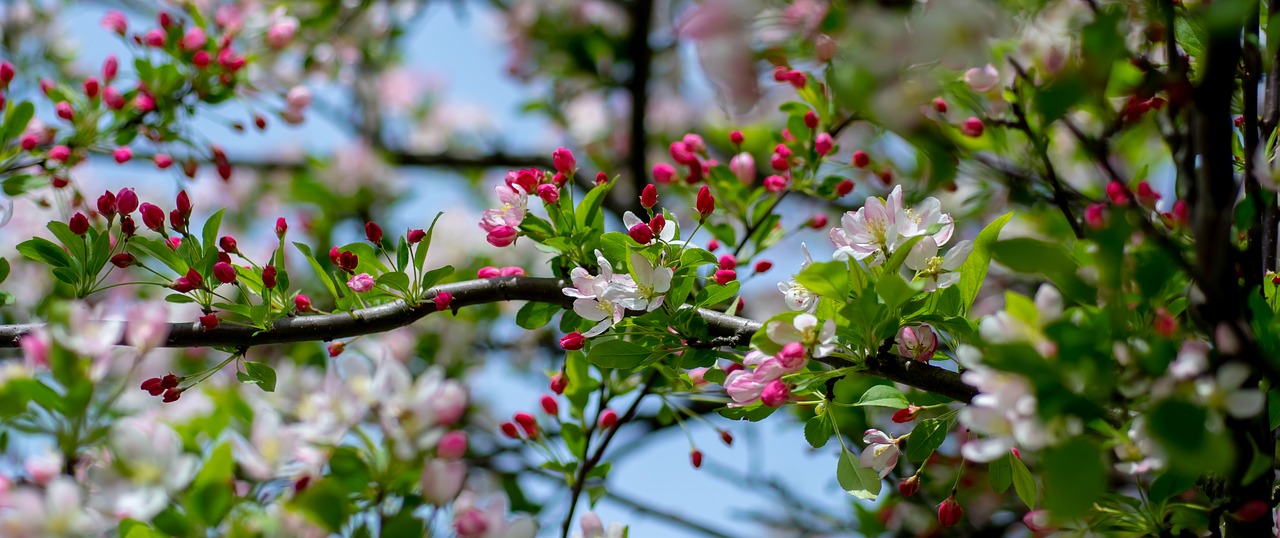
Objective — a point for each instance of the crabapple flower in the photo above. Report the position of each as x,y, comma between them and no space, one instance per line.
148,466
592,527
982,79
1227,390
1004,411
743,166
360,283
918,342
59,511
472,521
797,296
938,272
912,222
601,298
804,329
515,201
652,282
148,326
442,480
881,453
871,232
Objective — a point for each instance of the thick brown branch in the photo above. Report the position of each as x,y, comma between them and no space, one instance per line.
729,330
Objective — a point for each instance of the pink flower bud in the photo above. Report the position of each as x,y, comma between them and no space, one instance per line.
509,430
736,137
512,271
152,216
1095,216
949,512
572,341
282,227
502,236
281,33
1146,196
112,98
91,87
940,105
706,203
861,159
763,265
743,166
917,342
373,233
657,223
122,260
453,445
115,21
972,127
224,272
144,102
824,48
1118,193
110,67
779,162
564,161
1181,214
909,486
725,276
29,141
775,183
122,155
797,79
663,173
360,283
60,153
549,193
208,321
126,201
695,458
713,245
298,98
64,110
818,221
336,348
549,404
442,300
1166,325
268,276
155,38
811,119
416,236
489,272
201,59
527,423
558,383
844,187
823,144
728,261
6,74
194,39
302,303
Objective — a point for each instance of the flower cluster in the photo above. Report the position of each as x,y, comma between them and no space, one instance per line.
605,298
880,226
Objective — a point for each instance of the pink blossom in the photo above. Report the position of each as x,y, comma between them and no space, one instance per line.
982,79
360,283
194,39
280,34
115,21
743,166
35,348
442,480
918,342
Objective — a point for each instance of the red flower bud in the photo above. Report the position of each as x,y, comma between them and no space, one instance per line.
972,127
509,430
649,196
641,233
127,227
442,300
736,137
348,261
209,321
763,265
706,203
194,277
940,105
91,87
844,187
79,224
663,173
608,419
224,272
695,457
172,395
657,223
949,512
177,221
558,383
527,423
269,277
152,216
6,74
302,303
63,110
282,226
818,222
416,236
184,203
122,155
564,161
797,79
60,153
123,259
728,262
811,119
29,141
373,233
1251,510
823,144
153,386
1118,193
336,348
725,276
861,159
228,244
549,193
549,404
572,341
909,486
903,416
601,179
1095,216
726,437
712,245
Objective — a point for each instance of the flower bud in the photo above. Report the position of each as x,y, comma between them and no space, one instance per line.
152,216
608,419
1118,193
818,221
549,193
177,221
373,233
949,512
183,203
502,236
453,445
194,39
110,67
1095,216
282,226
60,153
940,105
64,110
91,87
416,236
336,348
728,261
909,486
713,245
564,161
302,303
663,173
558,383
775,393
972,127
725,276
736,137
823,144
172,395
706,203
811,119
824,48
442,301
903,416
152,386
779,162
123,259
527,423
775,183
657,223
29,141
489,272
572,341
127,227
763,266
509,430
224,272
641,233
550,405
155,38
269,277
726,437
649,196
797,79
861,159
844,187
695,458
79,224
208,322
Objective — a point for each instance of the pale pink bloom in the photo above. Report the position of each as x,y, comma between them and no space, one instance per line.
601,298
743,166
472,521
804,329
442,480
148,466
871,232
35,348
797,296
918,342
43,468
881,453
360,283
938,272
666,235
148,326
982,79
280,33
724,52
1004,412
804,16
511,213
298,98
58,511
744,387
913,221
652,282
1227,390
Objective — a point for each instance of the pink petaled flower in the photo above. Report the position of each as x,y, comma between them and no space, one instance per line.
453,445
982,79
514,199
442,300
298,98
918,342
155,38
881,453
442,479
512,271
489,272
743,166
115,21
360,283
35,348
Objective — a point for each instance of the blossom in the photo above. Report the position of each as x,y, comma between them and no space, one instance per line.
148,466
442,480
58,511
982,79
360,283
795,294
912,222
881,453
666,234
148,326
918,342
472,521
937,271
652,280
1227,390
515,201
592,527
804,329
871,232
602,298
1004,411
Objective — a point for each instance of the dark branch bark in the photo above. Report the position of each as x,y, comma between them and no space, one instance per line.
641,53
729,330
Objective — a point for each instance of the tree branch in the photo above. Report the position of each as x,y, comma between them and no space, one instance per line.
731,330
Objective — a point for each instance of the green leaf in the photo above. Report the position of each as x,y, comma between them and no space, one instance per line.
927,436
319,269
828,279
346,466
894,291
883,396
261,374
974,270
402,255
588,213
1053,100
1000,473
1169,485
4,269
430,278
617,353
44,251
1024,483
130,528
894,262
158,249
18,119
716,294
209,235
209,497
395,281
1074,477
536,315
817,431
855,479
420,250
325,502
